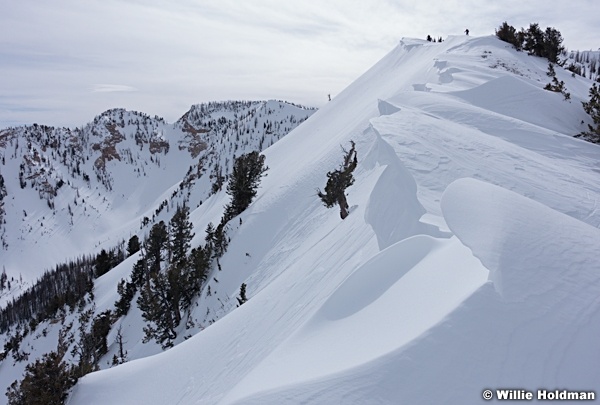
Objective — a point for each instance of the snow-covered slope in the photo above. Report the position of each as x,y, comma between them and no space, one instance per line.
67,194
469,259
72,192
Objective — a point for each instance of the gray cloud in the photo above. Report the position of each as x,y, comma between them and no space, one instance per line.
69,60
112,88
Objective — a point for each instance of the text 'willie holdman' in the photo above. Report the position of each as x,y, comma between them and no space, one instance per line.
542,395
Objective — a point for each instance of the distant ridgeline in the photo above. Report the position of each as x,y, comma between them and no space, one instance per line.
144,177
66,168
73,172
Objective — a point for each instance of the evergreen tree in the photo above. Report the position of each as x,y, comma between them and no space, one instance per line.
84,347
547,44
155,302
168,291
126,291
338,181
555,85
217,184
139,272
181,236
47,381
592,107
3,279
551,72
242,298
100,329
508,33
194,277
3,192
220,241
210,239
184,277
200,261
244,181
104,262
552,44
534,40
175,280
157,247
133,246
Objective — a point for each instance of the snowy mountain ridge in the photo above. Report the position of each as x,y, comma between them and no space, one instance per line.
469,259
75,191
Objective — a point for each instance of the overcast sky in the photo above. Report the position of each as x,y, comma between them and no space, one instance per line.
63,62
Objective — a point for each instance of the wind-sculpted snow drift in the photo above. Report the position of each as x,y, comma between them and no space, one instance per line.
469,259
534,326
393,210
530,249
392,299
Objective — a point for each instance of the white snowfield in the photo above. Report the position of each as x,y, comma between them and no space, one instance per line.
470,259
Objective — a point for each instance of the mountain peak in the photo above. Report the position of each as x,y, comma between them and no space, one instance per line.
463,158
77,180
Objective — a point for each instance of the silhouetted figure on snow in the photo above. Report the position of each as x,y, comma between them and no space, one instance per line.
467,31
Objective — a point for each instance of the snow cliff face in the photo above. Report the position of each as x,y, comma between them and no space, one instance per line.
468,260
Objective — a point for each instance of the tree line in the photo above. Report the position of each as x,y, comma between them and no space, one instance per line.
548,44
168,275
65,285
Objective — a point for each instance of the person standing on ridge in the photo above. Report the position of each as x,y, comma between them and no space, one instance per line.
467,31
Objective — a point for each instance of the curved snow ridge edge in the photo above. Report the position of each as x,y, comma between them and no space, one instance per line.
376,276
393,210
529,248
